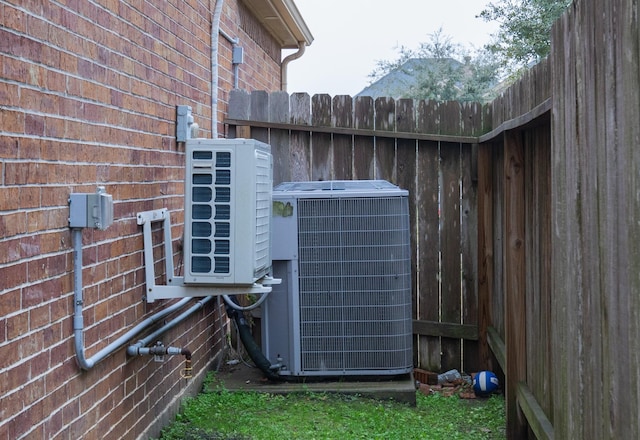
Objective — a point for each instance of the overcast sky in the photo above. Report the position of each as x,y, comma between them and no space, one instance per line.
351,35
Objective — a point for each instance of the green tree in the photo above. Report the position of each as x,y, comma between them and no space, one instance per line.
524,33
442,70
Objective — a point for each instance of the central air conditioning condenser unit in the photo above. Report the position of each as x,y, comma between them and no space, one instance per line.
342,250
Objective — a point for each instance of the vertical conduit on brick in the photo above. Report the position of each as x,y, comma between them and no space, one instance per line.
215,27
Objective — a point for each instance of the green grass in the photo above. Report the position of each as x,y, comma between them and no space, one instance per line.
224,415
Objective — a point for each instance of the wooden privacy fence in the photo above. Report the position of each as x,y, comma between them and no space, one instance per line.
525,217
514,249
425,147
558,227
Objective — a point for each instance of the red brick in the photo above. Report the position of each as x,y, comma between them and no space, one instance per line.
12,120
32,295
13,224
54,196
43,220
70,411
38,365
53,423
12,276
18,378
17,325
39,317
51,242
8,93
61,307
34,125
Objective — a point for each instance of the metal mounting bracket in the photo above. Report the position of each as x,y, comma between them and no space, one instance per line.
175,287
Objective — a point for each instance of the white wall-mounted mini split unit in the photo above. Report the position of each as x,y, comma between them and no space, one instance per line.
227,211
227,226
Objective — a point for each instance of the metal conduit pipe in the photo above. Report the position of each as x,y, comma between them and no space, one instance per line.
235,41
215,28
78,320
139,347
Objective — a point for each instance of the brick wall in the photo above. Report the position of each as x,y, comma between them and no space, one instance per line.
88,91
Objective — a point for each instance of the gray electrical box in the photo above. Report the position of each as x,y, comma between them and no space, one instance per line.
184,121
91,210
237,55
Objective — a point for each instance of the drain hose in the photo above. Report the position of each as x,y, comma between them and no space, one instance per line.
249,343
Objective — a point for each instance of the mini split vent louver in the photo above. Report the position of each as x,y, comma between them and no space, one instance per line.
227,211
342,251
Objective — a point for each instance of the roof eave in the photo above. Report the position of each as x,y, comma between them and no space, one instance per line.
283,20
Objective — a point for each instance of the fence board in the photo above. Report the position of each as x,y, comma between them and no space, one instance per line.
538,257
321,147
427,200
485,253
259,111
300,142
407,163
469,252
515,286
342,116
498,297
629,138
363,146
385,120
565,416
450,244
279,139
614,244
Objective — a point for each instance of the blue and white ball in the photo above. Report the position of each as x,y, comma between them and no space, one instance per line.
485,383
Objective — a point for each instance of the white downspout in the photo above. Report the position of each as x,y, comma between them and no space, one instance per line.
285,63
215,27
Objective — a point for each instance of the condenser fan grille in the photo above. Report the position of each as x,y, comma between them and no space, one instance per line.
354,284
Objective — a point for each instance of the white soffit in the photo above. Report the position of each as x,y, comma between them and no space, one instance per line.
283,20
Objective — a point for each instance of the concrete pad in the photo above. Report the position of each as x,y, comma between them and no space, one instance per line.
241,377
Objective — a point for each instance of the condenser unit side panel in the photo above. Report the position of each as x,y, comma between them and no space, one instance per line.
281,323
280,338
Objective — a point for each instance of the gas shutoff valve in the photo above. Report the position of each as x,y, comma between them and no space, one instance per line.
91,210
